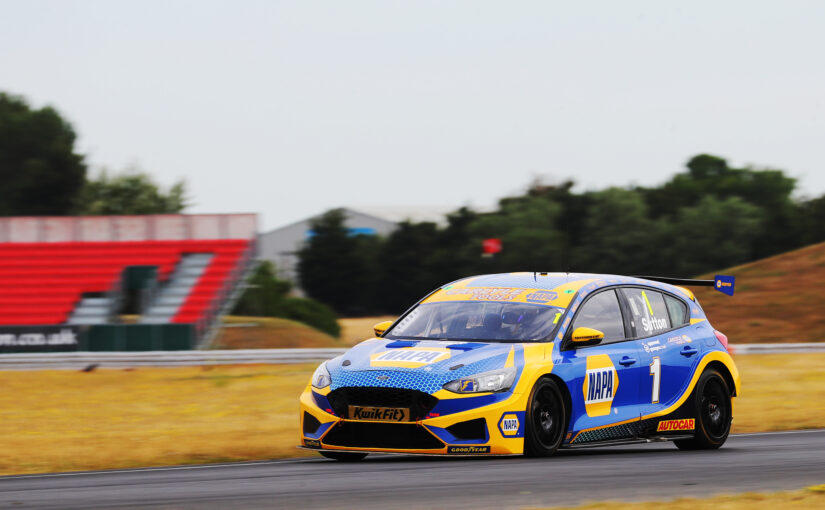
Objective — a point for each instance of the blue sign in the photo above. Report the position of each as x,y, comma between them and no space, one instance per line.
724,284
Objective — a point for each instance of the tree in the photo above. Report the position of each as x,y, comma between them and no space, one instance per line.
267,296
264,292
527,227
39,169
768,189
337,268
132,192
619,235
713,235
406,260
813,214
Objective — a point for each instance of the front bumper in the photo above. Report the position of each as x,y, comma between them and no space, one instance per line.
487,423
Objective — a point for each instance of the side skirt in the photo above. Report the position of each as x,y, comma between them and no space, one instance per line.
617,442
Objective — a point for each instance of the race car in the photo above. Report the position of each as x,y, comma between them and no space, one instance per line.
527,363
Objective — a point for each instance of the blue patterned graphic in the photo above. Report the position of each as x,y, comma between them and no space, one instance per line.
428,381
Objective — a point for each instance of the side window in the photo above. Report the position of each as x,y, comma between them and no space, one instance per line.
649,312
602,312
677,310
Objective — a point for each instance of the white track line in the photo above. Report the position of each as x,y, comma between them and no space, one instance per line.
290,461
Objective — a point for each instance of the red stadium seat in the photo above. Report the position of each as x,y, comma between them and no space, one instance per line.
42,282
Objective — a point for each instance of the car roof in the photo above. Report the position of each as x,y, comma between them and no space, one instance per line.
552,289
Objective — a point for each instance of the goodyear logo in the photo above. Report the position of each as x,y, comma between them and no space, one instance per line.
509,424
601,382
411,358
541,297
468,449
668,425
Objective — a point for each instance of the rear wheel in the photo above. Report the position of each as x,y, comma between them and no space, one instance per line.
712,409
344,456
546,419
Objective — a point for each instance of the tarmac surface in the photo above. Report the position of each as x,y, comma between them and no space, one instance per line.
747,463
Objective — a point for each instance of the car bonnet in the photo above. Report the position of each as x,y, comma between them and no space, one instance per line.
422,365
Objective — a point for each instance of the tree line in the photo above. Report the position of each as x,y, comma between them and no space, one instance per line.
44,175
709,217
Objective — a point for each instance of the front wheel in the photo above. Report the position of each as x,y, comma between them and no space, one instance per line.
546,419
712,408
344,456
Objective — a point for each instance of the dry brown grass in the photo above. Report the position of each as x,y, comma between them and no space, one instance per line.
810,498
68,420
778,299
270,333
780,392
360,328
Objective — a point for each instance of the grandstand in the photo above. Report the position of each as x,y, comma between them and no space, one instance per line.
70,277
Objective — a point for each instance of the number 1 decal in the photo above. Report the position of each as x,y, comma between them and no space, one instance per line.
656,372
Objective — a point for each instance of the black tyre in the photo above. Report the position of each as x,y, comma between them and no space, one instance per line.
344,456
712,409
546,419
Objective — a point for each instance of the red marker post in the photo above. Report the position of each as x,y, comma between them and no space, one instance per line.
490,247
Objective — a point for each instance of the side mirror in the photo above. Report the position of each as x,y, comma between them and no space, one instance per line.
381,327
586,336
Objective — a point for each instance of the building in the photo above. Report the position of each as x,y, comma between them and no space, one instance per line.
280,246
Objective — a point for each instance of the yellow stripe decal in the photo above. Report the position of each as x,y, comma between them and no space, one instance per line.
650,308
510,358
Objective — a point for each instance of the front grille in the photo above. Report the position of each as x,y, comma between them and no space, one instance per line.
397,436
311,423
471,429
418,402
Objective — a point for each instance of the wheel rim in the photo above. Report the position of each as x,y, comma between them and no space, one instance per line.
715,409
546,413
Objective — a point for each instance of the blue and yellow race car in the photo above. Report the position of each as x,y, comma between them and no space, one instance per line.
526,363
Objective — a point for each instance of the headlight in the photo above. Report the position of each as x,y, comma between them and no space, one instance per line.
321,378
494,380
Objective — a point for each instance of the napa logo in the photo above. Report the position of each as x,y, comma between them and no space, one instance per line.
412,357
601,382
510,424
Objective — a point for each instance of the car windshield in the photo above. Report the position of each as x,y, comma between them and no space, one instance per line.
477,320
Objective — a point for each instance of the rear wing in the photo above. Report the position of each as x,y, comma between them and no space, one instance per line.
723,283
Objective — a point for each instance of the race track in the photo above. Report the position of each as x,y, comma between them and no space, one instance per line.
756,462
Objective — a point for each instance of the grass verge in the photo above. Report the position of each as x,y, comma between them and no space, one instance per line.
360,328
269,333
68,420
810,498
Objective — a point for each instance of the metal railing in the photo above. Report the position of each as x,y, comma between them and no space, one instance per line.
81,360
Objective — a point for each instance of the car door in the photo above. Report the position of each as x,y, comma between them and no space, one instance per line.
605,389
661,323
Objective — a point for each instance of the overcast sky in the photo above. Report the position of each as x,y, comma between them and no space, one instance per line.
291,108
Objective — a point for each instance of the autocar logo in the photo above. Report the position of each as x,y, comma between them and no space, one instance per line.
383,377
